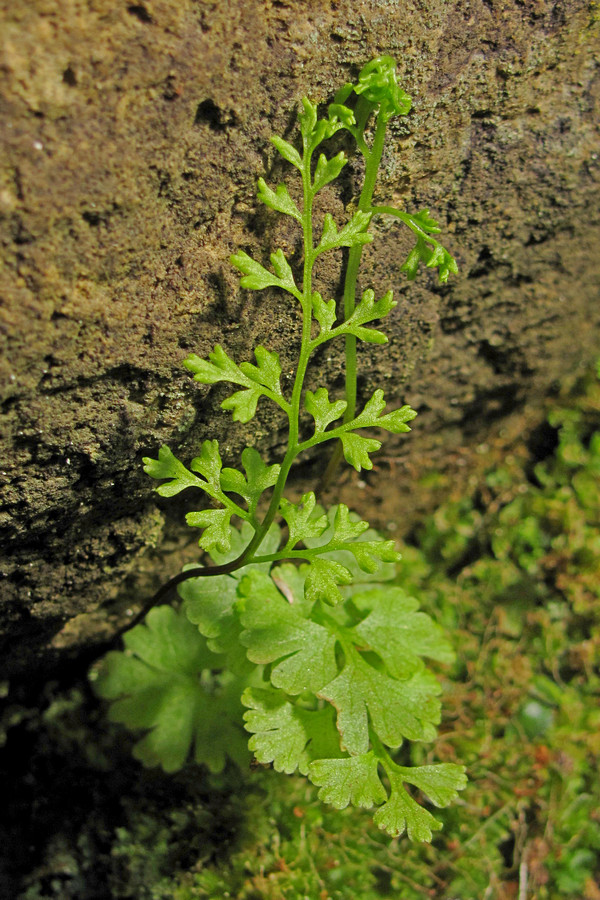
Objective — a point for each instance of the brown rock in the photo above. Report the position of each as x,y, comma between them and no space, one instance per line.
133,135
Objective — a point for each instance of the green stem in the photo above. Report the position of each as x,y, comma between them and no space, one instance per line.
364,204
235,509
293,446
372,160
407,219
329,435
382,754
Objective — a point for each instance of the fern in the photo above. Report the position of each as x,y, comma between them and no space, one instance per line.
305,631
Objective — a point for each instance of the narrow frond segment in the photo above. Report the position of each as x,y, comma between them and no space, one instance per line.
259,380
256,277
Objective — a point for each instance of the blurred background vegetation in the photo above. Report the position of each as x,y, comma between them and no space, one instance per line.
513,574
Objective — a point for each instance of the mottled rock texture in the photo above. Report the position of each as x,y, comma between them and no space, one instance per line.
132,137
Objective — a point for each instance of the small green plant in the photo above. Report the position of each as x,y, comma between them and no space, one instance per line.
300,626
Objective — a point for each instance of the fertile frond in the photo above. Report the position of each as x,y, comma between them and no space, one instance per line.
288,151
324,312
433,255
167,466
351,234
278,200
263,379
328,169
327,655
256,277
377,82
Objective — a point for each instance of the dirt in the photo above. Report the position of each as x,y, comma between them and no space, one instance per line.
133,135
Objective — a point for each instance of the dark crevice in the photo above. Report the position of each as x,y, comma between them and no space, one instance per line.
484,264
538,237
172,89
21,235
141,13
208,113
542,444
96,217
472,553
92,218
496,357
69,77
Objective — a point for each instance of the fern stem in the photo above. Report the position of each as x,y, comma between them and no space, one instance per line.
372,160
293,447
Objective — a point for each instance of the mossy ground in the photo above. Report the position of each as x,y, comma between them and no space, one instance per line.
513,574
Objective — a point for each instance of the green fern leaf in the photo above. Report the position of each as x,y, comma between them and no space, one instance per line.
397,632
216,525
286,734
424,220
433,257
256,277
278,199
397,709
366,311
402,813
357,449
322,410
324,312
288,152
387,569
353,780
257,381
356,781
302,521
259,477
371,417
219,367
268,371
353,233
156,687
168,466
328,169
209,603
275,632
209,465
323,578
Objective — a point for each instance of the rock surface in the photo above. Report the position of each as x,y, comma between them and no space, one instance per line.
132,138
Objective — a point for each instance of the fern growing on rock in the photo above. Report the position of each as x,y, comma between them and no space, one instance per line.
301,626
